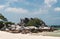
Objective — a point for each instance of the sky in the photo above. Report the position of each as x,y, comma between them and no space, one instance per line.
47,10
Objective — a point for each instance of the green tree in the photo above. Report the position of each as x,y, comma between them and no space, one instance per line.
8,23
1,24
2,20
35,22
26,20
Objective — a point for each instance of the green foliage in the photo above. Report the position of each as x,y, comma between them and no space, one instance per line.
1,24
30,23
26,20
4,21
34,22
8,23
3,18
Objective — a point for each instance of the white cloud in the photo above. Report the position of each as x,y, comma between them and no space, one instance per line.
12,0
40,11
49,3
2,7
21,10
45,8
57,9
16,10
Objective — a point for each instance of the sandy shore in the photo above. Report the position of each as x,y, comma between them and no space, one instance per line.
6,35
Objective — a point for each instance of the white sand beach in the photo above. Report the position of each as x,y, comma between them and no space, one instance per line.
7,35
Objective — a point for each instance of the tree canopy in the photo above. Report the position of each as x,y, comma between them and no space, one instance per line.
33,22
2,20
